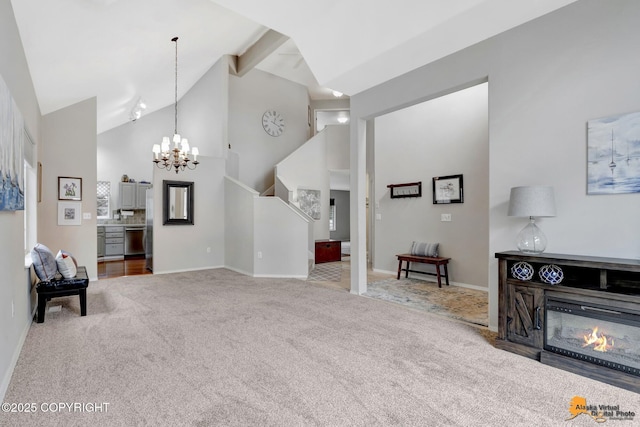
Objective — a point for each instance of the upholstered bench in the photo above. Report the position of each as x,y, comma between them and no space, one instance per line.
62,287
437,261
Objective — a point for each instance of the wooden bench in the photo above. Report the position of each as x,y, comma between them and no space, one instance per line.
61,288
437,261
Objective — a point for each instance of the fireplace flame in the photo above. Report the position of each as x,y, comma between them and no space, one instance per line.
600,343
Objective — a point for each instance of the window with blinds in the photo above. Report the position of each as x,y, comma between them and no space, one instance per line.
104,195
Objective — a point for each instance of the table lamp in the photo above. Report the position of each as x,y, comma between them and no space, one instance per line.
532,201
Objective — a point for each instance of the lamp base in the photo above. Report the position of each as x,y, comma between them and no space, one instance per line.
531,240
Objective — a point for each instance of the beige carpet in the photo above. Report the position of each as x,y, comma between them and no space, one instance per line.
215,348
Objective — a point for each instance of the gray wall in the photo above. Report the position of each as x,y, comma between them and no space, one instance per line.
249,97
547,78
15,310
444,136
69,149
341,199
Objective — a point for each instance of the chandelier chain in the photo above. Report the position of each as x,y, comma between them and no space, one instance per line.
176,158
175,40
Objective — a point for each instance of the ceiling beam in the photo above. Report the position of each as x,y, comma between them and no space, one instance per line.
265,46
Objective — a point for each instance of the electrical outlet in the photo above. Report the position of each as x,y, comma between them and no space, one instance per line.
259,255
445,217
55,308
209,250
378,217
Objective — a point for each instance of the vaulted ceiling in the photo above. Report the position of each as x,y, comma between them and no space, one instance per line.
121,50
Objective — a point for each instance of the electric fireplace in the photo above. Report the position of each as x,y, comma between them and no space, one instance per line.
586,322
599,332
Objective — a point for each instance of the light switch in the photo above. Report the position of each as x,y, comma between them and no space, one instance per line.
378,217
445,217
86,215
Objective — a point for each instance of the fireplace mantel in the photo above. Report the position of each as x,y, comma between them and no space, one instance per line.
606,284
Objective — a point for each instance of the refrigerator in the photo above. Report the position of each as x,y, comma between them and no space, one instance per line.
148,230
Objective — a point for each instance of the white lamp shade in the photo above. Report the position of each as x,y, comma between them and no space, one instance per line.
156,148
532,201
195,151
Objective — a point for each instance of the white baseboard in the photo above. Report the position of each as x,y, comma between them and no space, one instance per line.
213,267
237,270
429,278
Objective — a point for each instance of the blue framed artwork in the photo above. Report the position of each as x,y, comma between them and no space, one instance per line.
11,153
613,154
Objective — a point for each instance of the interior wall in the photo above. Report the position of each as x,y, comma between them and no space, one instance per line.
249,97
15,310
341,200
545,83
239,226
280,240
69,149
306,168
203,111
198,246
444,136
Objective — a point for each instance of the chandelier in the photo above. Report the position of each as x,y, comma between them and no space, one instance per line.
176,158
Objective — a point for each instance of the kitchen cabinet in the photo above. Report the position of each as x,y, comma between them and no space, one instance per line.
114,240
127,195
141,195
133,195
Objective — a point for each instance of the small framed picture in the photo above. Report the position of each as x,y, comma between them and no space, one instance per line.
447,189
69,213
69,188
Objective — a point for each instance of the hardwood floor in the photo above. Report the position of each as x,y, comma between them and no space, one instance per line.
127,267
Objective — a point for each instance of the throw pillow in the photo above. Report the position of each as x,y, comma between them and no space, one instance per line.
44,262
425,249
66,264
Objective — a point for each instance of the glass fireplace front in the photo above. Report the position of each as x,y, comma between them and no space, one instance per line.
601,333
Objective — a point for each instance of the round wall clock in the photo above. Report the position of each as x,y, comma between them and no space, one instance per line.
273,123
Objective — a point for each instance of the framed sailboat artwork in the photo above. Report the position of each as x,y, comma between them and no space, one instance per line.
613,154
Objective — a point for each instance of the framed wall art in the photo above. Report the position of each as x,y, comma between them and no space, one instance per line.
410,189
69,188
309,201
11,152
613,154
447,189
69,213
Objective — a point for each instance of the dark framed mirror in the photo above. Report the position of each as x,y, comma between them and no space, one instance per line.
177,203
